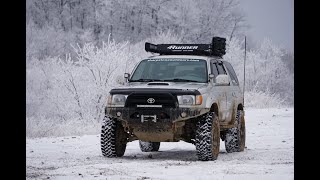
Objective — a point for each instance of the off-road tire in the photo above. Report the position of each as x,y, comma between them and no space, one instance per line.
235,138
113,138
207,139
149,146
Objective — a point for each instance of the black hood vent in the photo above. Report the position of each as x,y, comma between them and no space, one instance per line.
158,83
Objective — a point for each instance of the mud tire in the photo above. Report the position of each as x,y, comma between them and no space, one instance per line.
207,138
113,138
235,138
149,146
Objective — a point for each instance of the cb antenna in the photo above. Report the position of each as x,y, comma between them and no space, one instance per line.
244,66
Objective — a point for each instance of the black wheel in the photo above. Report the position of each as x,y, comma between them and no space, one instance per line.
235,138
113,138
149,146
207,138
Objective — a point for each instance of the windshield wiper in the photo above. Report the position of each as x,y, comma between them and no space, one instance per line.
180,80
145,80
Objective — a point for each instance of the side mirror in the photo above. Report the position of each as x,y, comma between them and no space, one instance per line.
211,78
222,80
126,76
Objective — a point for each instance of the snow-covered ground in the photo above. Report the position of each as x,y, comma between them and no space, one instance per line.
268,155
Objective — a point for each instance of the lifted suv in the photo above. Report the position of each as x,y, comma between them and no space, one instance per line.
186,93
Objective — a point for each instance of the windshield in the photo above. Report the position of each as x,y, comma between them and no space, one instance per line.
184,70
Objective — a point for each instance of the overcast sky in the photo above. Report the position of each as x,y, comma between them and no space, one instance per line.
272,19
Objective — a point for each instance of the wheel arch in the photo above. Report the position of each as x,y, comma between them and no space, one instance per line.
240,107
215,108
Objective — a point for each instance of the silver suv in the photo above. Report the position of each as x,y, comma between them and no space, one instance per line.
186,93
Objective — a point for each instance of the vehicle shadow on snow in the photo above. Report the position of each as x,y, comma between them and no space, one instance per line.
182,155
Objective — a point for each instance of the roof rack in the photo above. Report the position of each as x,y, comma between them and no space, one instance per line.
216,48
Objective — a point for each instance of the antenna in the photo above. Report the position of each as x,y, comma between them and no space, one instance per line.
244,66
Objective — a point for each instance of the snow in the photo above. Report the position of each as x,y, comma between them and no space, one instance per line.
268,155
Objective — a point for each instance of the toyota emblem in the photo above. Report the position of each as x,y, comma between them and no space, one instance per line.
151,100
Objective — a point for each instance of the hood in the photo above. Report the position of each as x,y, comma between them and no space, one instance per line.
165,85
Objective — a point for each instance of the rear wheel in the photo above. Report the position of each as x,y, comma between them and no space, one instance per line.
235,138
113,138
149,146
207,138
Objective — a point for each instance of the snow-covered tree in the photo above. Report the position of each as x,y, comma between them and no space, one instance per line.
265,69
76,21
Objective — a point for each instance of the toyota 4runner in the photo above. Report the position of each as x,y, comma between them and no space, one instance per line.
187,92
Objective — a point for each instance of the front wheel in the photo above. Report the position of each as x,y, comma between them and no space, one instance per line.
149,146
235,138
113,138
207,138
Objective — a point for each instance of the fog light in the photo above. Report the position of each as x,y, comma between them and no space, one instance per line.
183,114
118,114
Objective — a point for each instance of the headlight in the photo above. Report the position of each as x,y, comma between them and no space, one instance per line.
186,100
190,100
117,99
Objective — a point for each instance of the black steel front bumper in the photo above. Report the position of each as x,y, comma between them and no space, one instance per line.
164,115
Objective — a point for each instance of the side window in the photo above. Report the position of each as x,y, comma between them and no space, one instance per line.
221,69
214,69
231,72
217,68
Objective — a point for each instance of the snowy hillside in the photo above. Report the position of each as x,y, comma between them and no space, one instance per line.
268,155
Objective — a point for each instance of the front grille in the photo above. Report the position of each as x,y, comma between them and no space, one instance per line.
167,100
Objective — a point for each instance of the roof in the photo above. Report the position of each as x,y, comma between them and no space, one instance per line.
185,57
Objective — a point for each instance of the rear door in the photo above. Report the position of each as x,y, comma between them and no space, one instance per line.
235,86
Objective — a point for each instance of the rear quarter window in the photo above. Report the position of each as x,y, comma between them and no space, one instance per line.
232,73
